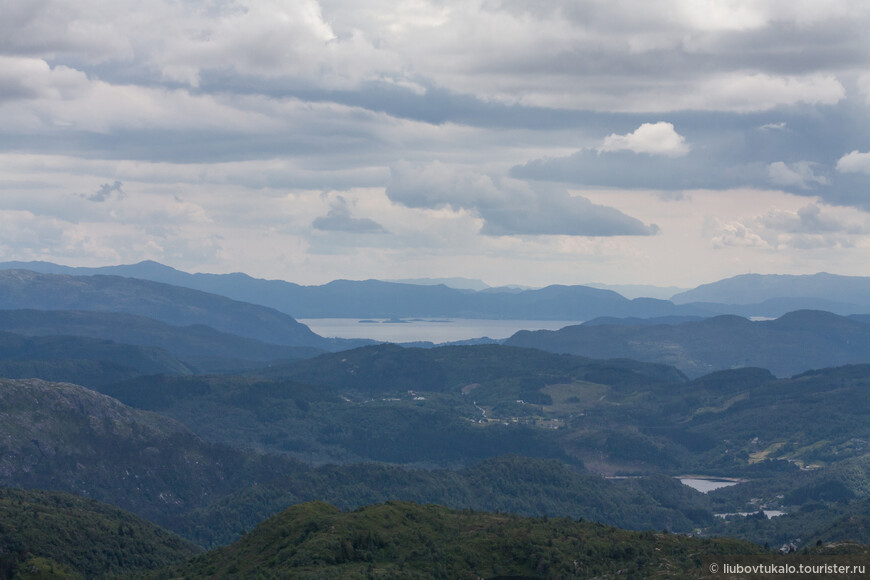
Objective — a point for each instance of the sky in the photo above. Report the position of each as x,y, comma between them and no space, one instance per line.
664,142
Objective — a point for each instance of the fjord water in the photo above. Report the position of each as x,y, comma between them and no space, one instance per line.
430,329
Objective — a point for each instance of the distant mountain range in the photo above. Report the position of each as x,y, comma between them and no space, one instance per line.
751,295
458,283
200,347
640,290
175,305
838,292
377,299
793,343
194,331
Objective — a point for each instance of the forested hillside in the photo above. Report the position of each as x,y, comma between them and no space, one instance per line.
59,535
402,540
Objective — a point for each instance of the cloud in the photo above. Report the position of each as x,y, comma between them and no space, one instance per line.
249,109
750,91
798,174
625,169
652,138
508,206
339,219
809,227
808,220
735,234
33,78
854,162
91,31
106,191
271,38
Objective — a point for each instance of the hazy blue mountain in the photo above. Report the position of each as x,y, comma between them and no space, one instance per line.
791,344
640,290
202,347
847,291
458,283
25,289
602,320
377,299
776,307
752,295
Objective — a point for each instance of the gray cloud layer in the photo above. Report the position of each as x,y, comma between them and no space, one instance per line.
508,206
339,219
225,118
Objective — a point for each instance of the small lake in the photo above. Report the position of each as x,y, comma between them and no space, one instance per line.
705,485
435,330
768,513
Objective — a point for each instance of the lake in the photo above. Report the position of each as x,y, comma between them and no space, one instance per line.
705,485
769,513
435,330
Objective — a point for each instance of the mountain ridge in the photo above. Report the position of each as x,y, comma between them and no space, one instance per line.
381,299
794,343
199,346
175,305
746,289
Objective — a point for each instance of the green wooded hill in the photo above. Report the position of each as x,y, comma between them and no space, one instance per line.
454,405
405,540
61,535
81,360
796,342
201,347
68,438
487,401
58,436
830,522
513,484
24,289
443,406
840,484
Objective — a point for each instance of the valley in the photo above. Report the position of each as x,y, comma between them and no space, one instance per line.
208,433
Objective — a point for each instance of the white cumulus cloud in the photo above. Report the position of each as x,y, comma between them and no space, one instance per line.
854,162
652,138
